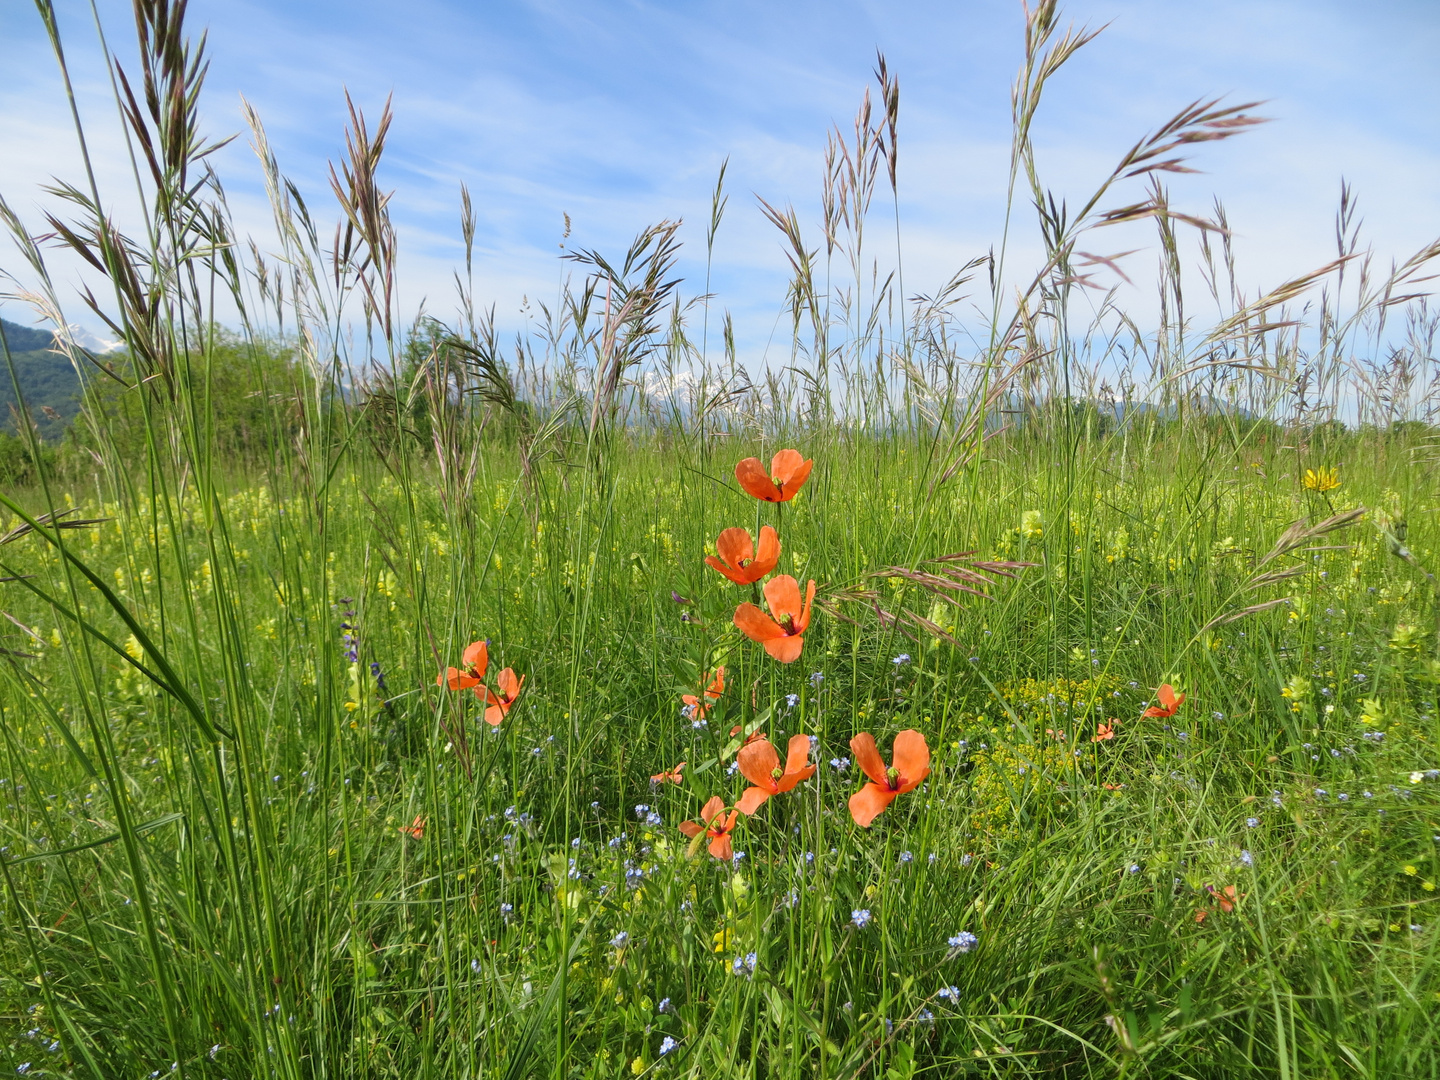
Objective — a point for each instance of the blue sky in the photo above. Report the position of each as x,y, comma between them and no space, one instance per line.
620,113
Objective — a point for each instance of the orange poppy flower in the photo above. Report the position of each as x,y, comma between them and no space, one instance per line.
912,765
739,561
760,764
714,824
781,635
788,472
669,776
695,708
752,737
1169,705
475,658
416,829
1105,732
1225,899
499,705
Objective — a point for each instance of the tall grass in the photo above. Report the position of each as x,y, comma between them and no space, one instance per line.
246,833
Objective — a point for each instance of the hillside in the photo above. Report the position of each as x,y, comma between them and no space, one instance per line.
46,378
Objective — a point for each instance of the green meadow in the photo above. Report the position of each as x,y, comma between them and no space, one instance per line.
1157,596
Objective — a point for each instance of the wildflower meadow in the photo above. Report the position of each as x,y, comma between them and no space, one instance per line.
997,688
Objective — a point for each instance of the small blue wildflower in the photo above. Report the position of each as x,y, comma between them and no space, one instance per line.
653,820
816,678
475,966
1252,822
903,658
621,939
906,857
664,1005
963,941
925,1018
1246,859
840,764
791,700
1134,868
666,1045
949,992
860,917
506,909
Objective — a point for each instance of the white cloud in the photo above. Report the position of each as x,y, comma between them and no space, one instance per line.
620,115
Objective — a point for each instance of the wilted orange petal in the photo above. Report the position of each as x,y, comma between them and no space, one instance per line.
669,776
867,756
869,803
755,624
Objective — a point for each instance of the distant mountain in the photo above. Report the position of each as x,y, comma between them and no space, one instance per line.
47,381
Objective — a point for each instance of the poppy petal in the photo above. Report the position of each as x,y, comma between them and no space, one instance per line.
720,847
476,658
758,761
734,547
867,756
797,753
734,575
713,808
691,829
755,624
802,621
785,649
1166,694
717,685
456,679
767,553
790,471
753,478
752,800
782,596
869,803
912,759
509,684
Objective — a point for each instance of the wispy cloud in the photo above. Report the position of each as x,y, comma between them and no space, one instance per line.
620,115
